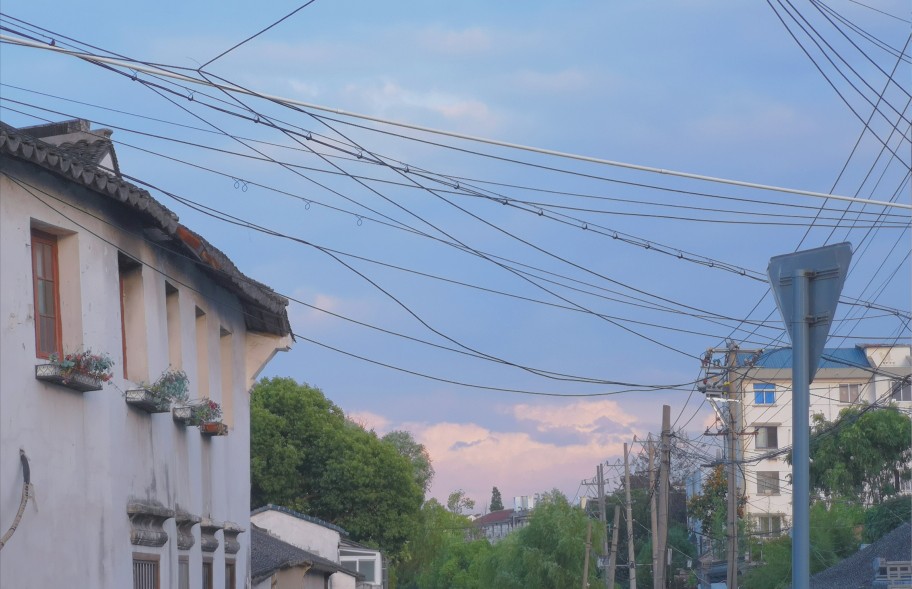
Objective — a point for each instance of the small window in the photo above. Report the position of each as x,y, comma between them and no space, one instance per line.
208,577
145,571
764,394
202,353
226,367
767,437
767,483
46,284
183,573
901,390
172,311
769,525
132,319
849,393
230,575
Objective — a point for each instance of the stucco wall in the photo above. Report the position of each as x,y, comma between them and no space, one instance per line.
301,533
90,453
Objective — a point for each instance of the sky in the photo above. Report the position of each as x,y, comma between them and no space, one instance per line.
465,291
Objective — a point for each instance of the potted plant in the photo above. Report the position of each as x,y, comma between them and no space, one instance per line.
171,387
207,415
80,371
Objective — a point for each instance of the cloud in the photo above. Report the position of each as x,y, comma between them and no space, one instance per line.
749,117
388,97
370,421
470,41
601,417
569,80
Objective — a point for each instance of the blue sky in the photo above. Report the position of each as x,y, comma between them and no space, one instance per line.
714,88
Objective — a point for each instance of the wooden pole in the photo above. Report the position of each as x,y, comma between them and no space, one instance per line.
612,560
586,559
631,557
653,515
664,471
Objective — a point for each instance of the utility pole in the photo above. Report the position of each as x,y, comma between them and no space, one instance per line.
653,513
586,559
731,362
664,471
612,560
602,517
631,557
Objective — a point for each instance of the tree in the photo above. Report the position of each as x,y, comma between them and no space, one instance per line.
496,501
864,453
458,502
416,453
547,553
306,455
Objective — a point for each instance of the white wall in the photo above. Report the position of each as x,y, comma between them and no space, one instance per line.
301,533
90,453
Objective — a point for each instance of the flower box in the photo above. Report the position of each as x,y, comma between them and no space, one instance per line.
147,400
213,428
182,414
77,381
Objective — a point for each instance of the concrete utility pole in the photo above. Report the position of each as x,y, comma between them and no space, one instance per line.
588,549
660,573
602,518
631,557
653,513
612,560
731,361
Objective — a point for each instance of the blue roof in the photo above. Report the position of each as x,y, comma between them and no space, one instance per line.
781,358
299,515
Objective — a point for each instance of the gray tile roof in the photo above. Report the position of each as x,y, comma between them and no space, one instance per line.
268,555
857,571
264,309
299,515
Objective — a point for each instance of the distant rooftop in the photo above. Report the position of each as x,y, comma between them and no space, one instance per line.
269,555
781,358
299,515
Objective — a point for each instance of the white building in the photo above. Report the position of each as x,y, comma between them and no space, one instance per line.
364,566
119,496
846,377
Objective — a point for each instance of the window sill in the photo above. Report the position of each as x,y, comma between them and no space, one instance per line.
75,381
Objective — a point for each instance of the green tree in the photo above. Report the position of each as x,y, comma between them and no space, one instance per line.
882,519
416,453
496,500
458,502
548,553
306,455
681,549
865,453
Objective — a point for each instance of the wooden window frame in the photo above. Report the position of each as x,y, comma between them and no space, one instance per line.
145,557
230,574
208,562
51,241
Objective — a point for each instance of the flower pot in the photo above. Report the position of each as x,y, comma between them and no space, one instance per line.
213,428
147,401
182,414
70,379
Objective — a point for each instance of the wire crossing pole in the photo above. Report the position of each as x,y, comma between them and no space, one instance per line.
654,516
603,520
661,573
631,557
801,394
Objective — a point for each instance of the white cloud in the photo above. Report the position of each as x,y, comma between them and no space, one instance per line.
370,421
388,97
585,417
469,41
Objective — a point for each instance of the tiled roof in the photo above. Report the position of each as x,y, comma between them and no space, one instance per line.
268,555
781,358
264,308
857,571
299,515
495,517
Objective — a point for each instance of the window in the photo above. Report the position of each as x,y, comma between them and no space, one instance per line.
46,284
849,393
361,562
226,365
132,319
901,390
172,311
207,575
767,483
145,571
769,525
183,573
202,354
230,575
764,394
767,437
